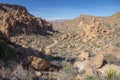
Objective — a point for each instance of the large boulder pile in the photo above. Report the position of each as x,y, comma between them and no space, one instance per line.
92,30
15,20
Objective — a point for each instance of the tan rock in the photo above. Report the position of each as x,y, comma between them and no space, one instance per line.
97,61
84,56
84,66
48,51
38,73
82,21
81,65
65,36
93,20
39,63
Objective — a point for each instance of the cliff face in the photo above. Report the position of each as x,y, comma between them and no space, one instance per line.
15,20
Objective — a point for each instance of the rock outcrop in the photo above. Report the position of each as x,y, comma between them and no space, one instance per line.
93,30
97,61
37,63
15,20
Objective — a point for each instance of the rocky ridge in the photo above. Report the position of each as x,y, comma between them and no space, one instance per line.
15,20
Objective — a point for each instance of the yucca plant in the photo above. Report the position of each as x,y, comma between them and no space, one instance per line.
111,74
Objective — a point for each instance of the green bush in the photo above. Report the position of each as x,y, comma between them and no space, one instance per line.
111,74
89,77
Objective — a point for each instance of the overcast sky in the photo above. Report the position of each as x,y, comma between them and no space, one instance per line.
64,9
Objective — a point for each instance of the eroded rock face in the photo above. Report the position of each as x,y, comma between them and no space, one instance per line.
93,30
16,20
82,21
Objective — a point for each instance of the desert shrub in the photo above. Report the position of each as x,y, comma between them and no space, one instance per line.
111,74
111,59
68,72
117,44
89,77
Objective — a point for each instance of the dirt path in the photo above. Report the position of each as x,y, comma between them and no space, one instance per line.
53,44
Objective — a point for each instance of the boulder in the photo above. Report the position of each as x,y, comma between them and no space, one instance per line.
96,62
37,63
84,56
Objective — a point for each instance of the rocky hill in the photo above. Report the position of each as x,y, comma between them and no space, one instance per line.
15,20
88,19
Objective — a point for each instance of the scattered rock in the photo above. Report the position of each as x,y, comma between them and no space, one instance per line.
84,56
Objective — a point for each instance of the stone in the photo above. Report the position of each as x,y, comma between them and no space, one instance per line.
65,36
84,66
48,51
84,56
37,63
97,61
38,73
81,65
